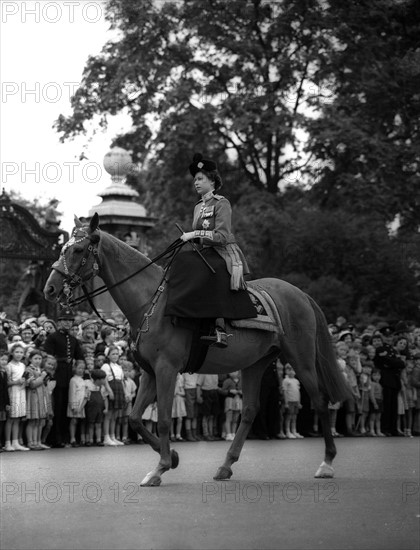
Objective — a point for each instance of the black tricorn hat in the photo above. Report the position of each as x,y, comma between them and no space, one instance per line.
199,163
386,331
66,314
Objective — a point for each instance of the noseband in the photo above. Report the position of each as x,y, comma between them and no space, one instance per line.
73,279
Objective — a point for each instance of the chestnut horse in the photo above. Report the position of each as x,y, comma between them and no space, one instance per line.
164,348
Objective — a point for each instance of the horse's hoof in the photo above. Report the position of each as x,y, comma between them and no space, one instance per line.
223,473
174,459
325,471
151,480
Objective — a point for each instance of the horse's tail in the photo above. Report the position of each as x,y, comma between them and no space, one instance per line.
331,379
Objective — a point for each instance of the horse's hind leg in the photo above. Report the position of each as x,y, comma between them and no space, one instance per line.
326,469
304,364
145,396
251,384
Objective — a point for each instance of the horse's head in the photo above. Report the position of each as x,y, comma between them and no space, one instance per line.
78,261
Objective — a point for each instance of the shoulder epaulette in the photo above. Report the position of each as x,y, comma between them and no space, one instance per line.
218,197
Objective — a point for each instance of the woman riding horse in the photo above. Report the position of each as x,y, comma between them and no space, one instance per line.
219,294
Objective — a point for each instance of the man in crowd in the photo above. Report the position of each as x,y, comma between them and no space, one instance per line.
390,365
66,349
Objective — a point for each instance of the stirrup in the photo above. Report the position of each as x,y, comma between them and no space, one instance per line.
219,340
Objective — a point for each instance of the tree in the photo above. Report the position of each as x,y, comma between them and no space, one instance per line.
368,138
245,69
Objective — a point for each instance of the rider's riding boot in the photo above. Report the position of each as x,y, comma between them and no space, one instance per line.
219,340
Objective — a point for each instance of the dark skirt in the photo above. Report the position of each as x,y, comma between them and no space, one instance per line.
195,292
119,401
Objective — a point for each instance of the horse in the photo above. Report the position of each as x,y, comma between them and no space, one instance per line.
164,347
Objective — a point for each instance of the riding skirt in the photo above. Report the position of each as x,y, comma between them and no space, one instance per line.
195,292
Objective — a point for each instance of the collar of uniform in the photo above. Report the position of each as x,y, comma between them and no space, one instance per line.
205,198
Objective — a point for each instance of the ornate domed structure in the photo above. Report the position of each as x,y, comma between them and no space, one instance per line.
120,212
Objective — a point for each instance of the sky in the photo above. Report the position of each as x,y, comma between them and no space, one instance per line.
44,46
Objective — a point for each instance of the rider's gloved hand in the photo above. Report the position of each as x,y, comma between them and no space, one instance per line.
187,236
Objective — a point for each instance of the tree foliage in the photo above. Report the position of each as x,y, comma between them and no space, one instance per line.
246,69
368,138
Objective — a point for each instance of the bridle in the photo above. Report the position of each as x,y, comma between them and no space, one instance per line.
74,279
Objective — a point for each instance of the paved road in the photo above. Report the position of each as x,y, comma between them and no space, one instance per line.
90,498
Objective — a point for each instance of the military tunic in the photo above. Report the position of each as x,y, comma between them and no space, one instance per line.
212,226
196,292
65,348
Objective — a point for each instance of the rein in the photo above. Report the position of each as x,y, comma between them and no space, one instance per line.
72,279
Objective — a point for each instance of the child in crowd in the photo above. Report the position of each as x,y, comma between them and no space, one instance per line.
130,390
232,390
77,401
88,364
4,393
291,389
96,406
99,360
411,396
190,389
150,417
376,404
402,402
280,377
49,364
415,383
352,369
178,409
117,402
367,364
371,352
208,400
363,403
35,400
17,395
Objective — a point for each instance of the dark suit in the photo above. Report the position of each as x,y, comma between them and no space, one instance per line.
65,348
390,365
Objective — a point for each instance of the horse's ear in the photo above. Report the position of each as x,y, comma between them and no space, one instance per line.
94,222
77,222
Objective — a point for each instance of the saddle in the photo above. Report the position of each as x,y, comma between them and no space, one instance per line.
268,319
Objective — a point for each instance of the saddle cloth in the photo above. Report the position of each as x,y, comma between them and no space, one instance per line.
268,317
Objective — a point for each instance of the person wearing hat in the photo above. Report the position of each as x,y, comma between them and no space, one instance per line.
66,349
387,334
346,336
387,361
194,290
89,328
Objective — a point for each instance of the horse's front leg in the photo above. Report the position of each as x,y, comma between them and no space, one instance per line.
165,385
145,396
251,383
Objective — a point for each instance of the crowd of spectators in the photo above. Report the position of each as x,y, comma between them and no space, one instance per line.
73,383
